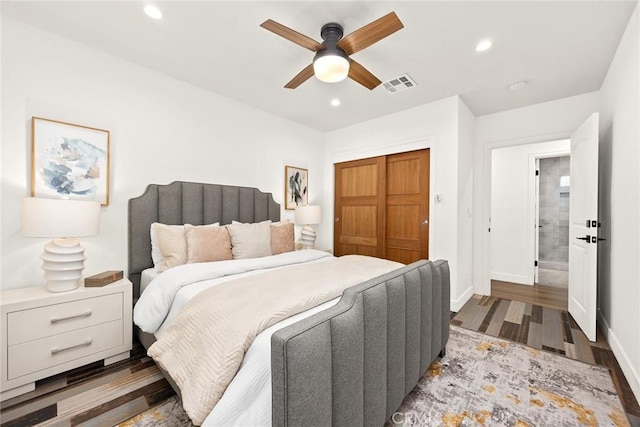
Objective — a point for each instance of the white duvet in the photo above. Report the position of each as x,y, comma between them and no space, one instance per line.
247,400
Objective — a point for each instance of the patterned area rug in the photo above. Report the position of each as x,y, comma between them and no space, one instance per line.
486,381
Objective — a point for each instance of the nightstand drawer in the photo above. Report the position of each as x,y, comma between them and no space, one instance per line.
33,356
40,322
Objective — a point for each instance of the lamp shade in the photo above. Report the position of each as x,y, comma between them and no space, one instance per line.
331,65
59,217
310,214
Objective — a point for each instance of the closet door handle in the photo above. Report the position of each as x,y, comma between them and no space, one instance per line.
425,222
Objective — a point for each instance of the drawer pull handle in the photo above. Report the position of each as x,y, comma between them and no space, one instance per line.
74,316
86,342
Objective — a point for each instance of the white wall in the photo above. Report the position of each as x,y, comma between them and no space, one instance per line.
547,121
512,237
466,135
619,210
433,126
161,130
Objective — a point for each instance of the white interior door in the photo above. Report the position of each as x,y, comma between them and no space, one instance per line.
583,226
536,225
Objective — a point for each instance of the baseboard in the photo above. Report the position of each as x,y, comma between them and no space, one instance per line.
621,356
458,303
512,278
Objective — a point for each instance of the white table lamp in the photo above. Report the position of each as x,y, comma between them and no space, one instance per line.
63,257
308,215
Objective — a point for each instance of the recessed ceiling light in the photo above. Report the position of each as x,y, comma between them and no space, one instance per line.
517,85
152,11
335,102
483,45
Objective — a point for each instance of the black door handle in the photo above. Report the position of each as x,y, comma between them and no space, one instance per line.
586,239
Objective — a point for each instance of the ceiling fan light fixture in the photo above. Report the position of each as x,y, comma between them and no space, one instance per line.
331,66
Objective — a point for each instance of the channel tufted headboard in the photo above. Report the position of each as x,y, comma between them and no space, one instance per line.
190,203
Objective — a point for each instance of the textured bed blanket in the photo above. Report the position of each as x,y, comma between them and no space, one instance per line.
203,348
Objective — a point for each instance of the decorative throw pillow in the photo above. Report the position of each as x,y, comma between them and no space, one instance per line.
282,237
172,245
206,243
156,253
250,240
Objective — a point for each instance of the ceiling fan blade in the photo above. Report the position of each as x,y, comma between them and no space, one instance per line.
292,35
363,76
371,33
302,77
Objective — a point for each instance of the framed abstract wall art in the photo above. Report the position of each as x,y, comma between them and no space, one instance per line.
295,187
69,160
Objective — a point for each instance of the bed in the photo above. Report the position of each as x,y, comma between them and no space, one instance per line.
348,361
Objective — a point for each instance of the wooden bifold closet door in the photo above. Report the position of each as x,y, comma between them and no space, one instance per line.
382,207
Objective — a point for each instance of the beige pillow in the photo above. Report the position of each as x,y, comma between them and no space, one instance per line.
206,243
250,240
172,245
282,237
156,255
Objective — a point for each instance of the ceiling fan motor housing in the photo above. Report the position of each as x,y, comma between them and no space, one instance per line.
331,34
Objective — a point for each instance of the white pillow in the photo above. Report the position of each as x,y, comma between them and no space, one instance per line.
156,253
250,240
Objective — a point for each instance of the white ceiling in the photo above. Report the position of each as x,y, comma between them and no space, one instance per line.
560,48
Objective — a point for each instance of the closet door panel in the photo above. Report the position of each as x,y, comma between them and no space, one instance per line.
407,206
359,207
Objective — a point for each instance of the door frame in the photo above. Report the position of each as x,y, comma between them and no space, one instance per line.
483,224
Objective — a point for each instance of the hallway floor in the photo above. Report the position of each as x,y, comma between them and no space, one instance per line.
548,296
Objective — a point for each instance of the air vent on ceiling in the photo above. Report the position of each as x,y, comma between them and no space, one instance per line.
399,84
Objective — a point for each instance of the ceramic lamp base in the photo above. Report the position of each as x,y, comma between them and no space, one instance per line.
308,237
63,262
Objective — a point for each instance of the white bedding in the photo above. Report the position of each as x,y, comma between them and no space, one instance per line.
155,303
146,277
247,400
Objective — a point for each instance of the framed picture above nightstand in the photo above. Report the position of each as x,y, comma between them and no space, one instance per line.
48,333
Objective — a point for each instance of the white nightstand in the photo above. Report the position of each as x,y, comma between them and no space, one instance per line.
46,333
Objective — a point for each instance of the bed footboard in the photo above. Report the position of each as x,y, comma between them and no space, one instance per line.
355,362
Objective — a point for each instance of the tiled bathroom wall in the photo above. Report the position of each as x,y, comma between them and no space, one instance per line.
553,250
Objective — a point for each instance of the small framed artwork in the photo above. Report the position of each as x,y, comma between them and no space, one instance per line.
295,187
69,160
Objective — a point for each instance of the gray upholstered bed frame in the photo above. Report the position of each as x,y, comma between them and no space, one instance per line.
351,364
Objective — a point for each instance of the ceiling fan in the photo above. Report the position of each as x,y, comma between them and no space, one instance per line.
331,62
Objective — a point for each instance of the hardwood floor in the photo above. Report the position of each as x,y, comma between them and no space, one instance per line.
546,296
545,328
93,395
98,395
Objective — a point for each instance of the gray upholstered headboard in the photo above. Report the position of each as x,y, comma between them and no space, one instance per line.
190,203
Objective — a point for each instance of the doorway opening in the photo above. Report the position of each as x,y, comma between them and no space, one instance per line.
529,223
554,184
